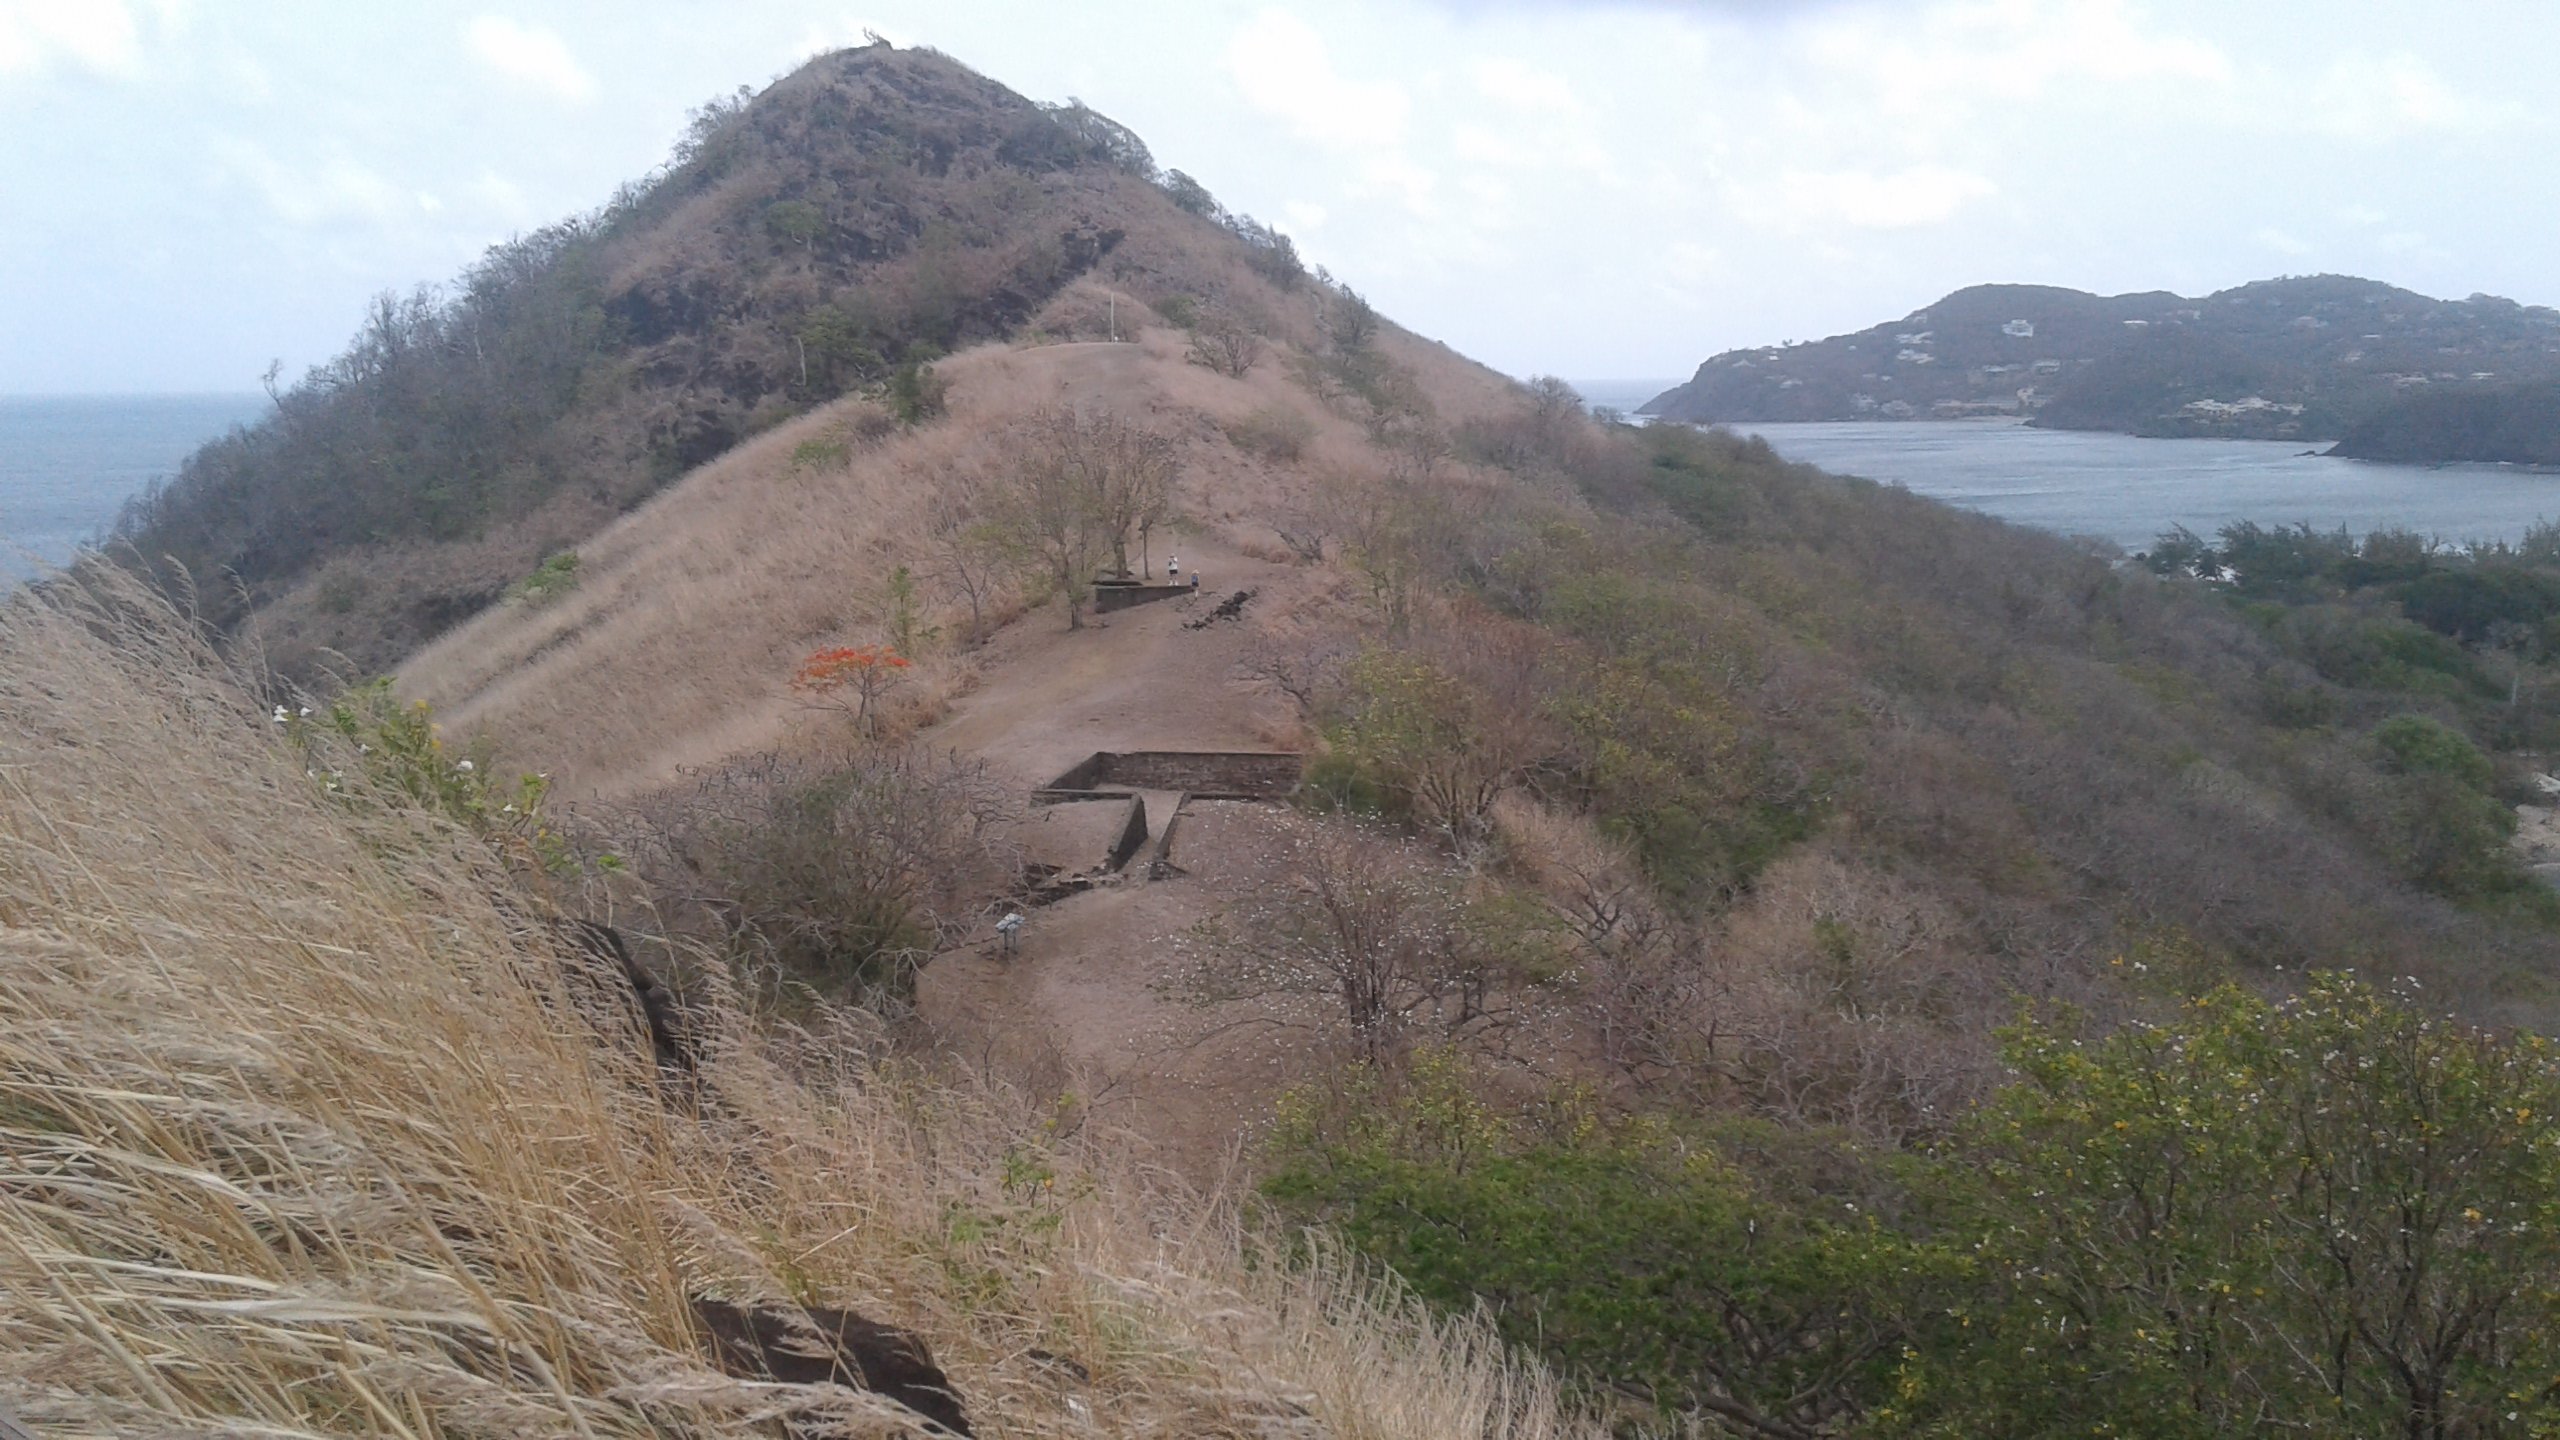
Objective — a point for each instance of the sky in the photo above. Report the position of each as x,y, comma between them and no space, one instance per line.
190,189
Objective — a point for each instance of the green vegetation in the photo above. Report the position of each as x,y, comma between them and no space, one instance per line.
555,577
2518,425
1833,781
2330,1212
372,753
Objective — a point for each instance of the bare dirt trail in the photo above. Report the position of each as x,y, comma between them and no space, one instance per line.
1105,999
1136,680
1101,999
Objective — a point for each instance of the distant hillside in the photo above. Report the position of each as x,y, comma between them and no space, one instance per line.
2518,425
862,216
2301,358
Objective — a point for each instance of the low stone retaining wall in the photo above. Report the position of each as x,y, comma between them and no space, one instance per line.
1108,598
1209,774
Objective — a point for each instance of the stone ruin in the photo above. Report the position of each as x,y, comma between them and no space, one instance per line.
1118,813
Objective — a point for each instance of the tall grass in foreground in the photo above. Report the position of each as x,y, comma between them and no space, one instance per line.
308,1127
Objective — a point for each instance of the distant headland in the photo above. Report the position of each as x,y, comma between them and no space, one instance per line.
2387,373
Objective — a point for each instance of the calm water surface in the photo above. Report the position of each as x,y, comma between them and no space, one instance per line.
2128,490
67,461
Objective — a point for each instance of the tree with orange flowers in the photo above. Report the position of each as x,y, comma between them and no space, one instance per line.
852,677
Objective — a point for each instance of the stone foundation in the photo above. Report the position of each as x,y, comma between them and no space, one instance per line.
1207,774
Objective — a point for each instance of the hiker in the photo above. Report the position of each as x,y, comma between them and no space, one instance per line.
1010,927
1195,582
1173,568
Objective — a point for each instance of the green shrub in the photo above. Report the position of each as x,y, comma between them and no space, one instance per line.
1634,1257
2417,745
553,578
366,743
2332,1211
824,452
916,393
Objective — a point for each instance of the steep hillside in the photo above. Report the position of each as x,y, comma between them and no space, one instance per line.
316,1119
854,221
2281,359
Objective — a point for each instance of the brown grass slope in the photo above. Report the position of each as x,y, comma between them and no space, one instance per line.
308,1127
871,208
678,643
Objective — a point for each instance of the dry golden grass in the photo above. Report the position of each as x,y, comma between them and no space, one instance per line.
308,1126
676,647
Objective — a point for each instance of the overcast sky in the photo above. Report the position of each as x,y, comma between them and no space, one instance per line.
189,188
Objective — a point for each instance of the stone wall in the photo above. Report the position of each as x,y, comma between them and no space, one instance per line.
1247,774
1110,597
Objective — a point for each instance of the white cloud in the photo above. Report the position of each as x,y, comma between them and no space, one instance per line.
845,34
1901,200
335,189
530,55
96,35
1959,56
1687,272
503,198
1523,86
2369,97
2282,242
1281,65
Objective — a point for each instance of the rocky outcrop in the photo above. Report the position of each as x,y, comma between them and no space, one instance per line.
820,1345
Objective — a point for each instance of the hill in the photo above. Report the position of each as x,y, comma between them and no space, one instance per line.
859,218
1743,941
2296,358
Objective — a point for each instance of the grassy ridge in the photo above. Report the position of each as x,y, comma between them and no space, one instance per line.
310,1124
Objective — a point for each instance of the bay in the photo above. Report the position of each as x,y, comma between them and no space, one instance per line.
68,462
2127,490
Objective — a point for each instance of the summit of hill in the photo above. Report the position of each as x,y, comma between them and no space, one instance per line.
831,235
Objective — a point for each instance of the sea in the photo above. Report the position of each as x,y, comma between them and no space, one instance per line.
67,462
2128,491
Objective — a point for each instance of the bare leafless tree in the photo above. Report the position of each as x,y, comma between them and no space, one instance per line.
1079,482
1368,946
1303,665
1226,343
966,555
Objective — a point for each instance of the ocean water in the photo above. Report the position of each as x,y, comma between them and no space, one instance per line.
68,461
2128,490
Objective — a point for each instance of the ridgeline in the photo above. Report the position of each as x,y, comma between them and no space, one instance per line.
834,234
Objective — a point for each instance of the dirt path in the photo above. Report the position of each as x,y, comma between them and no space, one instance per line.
1137,680
1110,998
1102,1001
